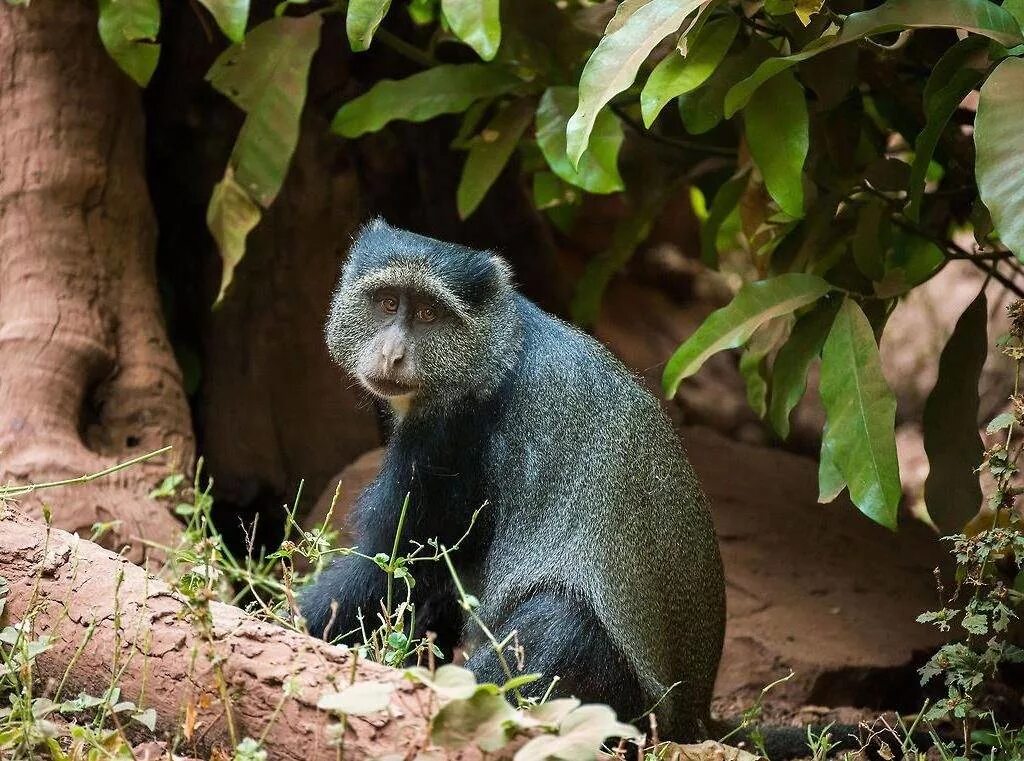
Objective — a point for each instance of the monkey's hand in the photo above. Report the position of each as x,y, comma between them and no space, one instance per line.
350,588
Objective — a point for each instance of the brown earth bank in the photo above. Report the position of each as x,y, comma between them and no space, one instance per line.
816,589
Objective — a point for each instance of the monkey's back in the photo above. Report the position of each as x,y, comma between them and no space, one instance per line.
590,484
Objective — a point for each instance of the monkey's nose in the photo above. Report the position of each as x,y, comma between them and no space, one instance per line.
393,355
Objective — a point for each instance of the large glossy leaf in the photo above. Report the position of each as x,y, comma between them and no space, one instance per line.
597,170
676,74
733,324
477,23
231,16
939,108
777,127
999,143
613,65
978,16
445,89
952,491
789,373
861,412
362,21
484,720
489,152
266,76
128,30
231,216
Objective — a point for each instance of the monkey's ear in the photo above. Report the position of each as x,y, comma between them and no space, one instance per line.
503,271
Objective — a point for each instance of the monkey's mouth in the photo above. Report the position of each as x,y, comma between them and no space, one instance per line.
388,387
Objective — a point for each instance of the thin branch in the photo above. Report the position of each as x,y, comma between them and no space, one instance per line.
677,143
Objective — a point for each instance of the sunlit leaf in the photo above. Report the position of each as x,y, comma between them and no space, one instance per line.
676,75
613,65
231,16
128,30
861,412
733,324
789,372
445,89
231,216
999,143
475,22
978,16
952,491
553,712
777,128
489,152
597,170
579,737
266,76
359,699
362,20
450,682
483,720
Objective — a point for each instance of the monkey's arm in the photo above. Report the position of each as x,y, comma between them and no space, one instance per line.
349,586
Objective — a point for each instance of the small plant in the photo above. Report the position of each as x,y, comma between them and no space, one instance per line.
988,592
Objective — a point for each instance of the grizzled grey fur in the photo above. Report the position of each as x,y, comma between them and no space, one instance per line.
596,544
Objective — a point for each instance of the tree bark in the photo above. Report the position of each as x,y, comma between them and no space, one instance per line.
65,586
87,375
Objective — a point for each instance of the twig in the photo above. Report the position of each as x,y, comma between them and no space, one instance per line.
17,491
677,143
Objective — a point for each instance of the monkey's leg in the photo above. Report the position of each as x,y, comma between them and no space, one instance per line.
564,638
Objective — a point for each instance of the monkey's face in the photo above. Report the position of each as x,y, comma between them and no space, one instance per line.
402,339
416,319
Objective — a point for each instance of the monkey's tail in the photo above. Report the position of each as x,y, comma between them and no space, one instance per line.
783,742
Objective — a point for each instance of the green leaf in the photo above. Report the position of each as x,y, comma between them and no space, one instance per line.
482,720
475,22
978,16
128,30
830,481
445,89
613,65
579,737
725,201
999,422
753,360
597,170
1016,9
789,373
952,492
940,106
733,324
870,241
489,152
231,16
861,412
266,76
231,216
676,75
999,143
358,699
450,682
777,127
362,20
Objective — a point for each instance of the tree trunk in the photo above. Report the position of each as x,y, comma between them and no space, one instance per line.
66,586
87,375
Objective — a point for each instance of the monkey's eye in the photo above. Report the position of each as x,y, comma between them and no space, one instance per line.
426,314
388,303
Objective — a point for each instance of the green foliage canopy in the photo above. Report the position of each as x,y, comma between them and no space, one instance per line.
833,138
